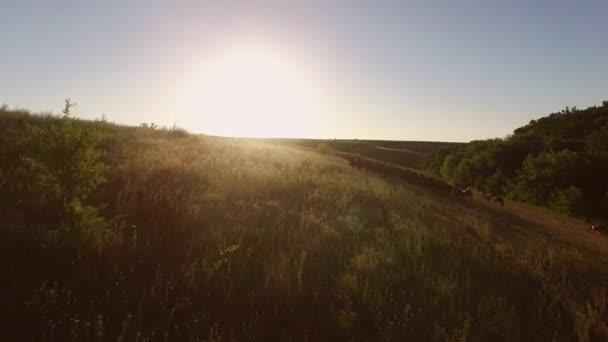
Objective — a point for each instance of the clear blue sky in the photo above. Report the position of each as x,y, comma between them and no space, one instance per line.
420,70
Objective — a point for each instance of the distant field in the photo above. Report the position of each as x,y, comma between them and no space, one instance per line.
195,238
404,153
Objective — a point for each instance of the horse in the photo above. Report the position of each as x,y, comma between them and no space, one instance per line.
457,192
461,193
498,200
467,193
596,227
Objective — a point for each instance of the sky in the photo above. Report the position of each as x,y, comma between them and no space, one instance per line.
395,70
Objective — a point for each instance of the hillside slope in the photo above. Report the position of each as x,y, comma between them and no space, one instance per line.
189,238
559,228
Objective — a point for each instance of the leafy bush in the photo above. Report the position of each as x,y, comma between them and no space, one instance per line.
567,201
597,142
65,167
543,174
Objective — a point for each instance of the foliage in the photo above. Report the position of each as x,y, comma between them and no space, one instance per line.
150,125
542,175
597,142
539,162
64,161
69,105
59,166
567,201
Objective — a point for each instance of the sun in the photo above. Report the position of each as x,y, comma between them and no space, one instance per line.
253,93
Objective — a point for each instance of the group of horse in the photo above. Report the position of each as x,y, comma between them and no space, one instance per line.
435,184
464,193
412,176
461,193
494,198
418,178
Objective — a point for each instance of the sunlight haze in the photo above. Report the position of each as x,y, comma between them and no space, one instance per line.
252,92
410,70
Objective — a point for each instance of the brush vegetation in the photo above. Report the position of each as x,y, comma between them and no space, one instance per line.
559,161
113,233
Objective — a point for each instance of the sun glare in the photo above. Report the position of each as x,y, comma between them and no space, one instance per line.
253,93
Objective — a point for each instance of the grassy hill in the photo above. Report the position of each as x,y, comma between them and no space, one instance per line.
113,233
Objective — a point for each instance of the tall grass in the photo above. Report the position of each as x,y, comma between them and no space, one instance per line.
214,239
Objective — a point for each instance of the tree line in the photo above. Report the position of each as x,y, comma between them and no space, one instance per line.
559,161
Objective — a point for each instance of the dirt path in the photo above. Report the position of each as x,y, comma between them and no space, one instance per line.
398,150
559,228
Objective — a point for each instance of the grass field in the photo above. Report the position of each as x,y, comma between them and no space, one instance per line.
217,239
403,153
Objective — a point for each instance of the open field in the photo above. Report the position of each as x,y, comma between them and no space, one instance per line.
403,153
193,238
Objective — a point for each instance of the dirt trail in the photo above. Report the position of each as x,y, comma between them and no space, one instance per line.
559,228
398,150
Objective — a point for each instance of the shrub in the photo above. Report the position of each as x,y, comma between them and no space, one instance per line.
597,142
177,132
65,167
567,201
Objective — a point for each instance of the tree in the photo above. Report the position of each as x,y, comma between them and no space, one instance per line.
496,183
545,174
463,174
67,109
449,165
597,142
567,201
65,167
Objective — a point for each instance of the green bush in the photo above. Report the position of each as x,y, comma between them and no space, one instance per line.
597,142
541,175
567,201
65,167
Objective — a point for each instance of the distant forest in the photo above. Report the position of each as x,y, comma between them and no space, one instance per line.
559,161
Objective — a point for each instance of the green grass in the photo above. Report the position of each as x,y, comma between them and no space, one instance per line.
216,239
